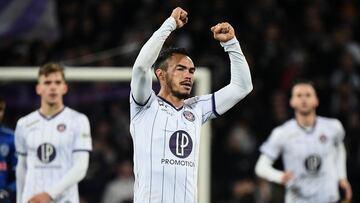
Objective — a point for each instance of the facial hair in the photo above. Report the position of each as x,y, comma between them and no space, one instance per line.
177,94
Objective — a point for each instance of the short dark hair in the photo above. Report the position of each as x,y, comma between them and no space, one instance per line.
51,67
161,63
302,81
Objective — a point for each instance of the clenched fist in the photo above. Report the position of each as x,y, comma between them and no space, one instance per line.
180,16
223,32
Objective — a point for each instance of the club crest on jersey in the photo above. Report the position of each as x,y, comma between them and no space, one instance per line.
189,116
46,152
61,127
181,144
323,138
4,150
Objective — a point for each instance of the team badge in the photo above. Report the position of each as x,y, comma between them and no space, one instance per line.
189,116
4,150
323,138
61,127
181,144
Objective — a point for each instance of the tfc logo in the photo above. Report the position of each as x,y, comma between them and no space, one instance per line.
189,116
181,144
46,152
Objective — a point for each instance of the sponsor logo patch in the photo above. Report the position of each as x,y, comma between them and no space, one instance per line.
313,163
181,144
46,153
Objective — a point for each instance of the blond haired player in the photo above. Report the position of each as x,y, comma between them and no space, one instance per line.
53,144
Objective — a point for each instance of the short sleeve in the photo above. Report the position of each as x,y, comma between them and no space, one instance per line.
273,146
82,136
20,144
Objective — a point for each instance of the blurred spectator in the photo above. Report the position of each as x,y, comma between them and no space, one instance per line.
121,189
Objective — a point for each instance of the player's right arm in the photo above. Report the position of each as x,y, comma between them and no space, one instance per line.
270,151
141,81
20,172
20,177
264,169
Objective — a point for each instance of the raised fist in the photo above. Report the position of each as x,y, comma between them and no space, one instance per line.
223,32
180,16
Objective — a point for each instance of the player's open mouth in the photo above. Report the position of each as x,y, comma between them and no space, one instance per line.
53,95
186,84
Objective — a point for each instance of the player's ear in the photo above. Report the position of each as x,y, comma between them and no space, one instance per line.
292,102
160,74
65,88
316,102
38,89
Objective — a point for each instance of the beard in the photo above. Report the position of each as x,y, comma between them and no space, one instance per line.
306,112
176,93
180,95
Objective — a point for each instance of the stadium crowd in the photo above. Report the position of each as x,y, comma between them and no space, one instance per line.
282,40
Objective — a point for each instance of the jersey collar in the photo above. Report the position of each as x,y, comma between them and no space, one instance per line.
53,116
308,130
177,109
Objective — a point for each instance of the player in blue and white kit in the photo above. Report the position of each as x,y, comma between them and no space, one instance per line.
53,144
165,127
312,151
7,159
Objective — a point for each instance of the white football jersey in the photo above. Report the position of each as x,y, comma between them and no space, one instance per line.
49,144
311,156
166,148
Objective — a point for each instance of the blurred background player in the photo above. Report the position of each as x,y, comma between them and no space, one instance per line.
166,127
312,150
7,159
53,144
121,189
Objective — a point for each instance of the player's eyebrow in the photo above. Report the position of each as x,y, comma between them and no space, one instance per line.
182,66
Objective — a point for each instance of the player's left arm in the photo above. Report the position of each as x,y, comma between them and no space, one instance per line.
341,160
240,83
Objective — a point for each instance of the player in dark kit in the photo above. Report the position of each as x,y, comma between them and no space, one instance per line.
7,159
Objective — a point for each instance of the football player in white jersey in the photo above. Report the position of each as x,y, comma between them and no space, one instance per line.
53,144
165,127
312,151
